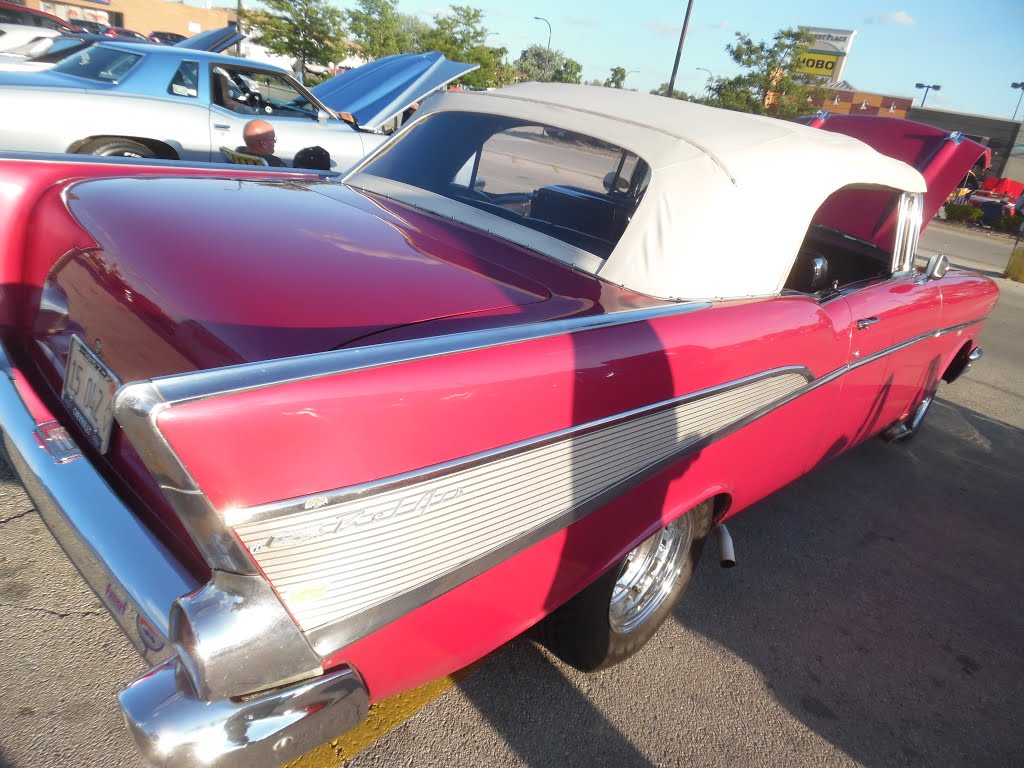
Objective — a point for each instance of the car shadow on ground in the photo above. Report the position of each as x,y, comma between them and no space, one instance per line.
873,618
542,716
879,597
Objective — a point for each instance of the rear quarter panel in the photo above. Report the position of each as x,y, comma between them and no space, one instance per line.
302,438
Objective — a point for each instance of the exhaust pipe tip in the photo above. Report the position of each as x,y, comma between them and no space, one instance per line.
726,552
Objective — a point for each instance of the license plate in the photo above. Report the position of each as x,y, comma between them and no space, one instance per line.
89,388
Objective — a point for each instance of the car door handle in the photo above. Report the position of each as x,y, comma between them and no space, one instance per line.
220,127
866,322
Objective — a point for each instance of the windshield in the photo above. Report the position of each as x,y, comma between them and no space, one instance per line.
107,65
569,186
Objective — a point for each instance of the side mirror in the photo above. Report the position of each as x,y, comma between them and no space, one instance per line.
322,116
938,265
479,183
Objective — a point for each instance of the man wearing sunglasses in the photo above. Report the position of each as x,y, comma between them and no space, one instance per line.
260,140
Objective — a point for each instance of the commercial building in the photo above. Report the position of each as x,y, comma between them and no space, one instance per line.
143,16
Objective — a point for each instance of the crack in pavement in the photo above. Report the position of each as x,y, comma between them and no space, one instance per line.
15,517
48,612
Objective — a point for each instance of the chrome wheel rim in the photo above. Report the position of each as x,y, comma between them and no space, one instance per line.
650,573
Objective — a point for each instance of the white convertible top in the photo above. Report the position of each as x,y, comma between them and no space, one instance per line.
731,194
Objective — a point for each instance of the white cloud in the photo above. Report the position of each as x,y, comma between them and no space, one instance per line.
720,25
896,17
583,21
663,28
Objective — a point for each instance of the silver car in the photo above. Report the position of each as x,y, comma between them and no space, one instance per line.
135,100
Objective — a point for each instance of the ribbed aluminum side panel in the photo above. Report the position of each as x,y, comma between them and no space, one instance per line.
335,562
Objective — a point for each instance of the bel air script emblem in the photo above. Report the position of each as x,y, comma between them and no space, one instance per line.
409,506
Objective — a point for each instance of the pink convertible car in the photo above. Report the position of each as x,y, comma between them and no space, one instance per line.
314,442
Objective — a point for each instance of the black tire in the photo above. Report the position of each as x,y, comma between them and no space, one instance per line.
116,147
583,634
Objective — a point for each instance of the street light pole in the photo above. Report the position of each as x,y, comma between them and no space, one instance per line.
679,50
926,89
1019,85
707,86
541,18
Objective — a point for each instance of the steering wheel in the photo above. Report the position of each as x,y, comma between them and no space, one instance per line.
255,100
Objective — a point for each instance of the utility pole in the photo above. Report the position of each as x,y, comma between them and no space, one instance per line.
679,50
238,23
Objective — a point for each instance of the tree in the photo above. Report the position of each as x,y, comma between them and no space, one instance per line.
308,30
662,90
617,79
457,32
379,29
770,84
547,66
571,71
460,35
415,30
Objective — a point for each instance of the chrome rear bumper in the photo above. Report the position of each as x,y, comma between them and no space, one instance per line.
172,728
139,581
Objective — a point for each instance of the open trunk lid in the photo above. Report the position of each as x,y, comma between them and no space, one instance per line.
943,158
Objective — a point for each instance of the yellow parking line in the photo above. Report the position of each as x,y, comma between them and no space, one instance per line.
383,716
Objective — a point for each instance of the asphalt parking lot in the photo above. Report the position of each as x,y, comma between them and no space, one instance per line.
874,619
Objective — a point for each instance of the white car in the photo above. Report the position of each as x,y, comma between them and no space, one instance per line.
180,103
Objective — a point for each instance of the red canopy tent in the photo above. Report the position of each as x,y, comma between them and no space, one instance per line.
1003,186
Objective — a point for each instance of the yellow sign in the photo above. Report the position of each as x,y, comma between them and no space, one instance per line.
823,64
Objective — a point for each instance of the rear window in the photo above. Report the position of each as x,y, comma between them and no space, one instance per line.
106,65
570,186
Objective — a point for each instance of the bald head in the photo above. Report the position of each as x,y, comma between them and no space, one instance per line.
259,137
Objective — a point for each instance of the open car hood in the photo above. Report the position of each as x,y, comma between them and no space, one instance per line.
943,158
213,40
376,92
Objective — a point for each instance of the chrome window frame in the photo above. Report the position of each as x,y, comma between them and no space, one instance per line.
909,218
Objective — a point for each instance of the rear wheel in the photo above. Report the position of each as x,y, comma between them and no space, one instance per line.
116,147
614,617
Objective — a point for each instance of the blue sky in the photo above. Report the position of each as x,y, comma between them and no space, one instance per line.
973,48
